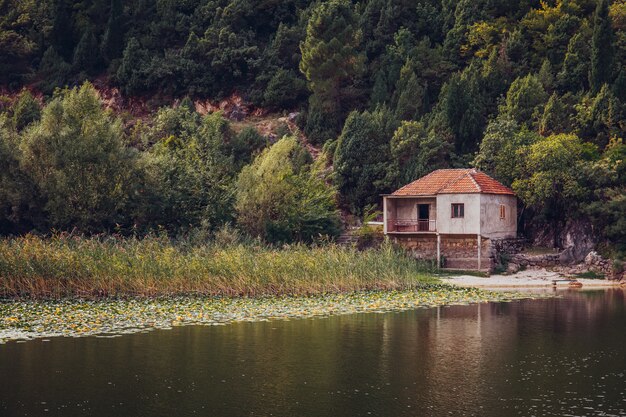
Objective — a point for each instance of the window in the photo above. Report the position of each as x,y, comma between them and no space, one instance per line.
502,211
458,211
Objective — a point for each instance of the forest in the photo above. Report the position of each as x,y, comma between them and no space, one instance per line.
531,92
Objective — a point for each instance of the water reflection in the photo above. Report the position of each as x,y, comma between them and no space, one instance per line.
545,357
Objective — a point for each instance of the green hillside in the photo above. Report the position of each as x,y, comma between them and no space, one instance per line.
533,93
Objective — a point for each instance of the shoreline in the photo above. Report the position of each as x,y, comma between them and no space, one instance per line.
534,278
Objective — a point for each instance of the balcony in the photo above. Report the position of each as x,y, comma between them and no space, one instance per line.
411,226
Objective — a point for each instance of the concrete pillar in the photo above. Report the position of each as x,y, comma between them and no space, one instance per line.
385,215
479,249
438,251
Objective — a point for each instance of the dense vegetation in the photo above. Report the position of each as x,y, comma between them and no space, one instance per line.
109,266
531,92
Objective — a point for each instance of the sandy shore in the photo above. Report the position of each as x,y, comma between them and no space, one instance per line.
524,279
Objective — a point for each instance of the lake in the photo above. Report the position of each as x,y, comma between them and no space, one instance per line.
548,357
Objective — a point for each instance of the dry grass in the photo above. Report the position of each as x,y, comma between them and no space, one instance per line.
67,266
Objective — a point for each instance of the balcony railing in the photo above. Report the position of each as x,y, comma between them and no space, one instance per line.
411,226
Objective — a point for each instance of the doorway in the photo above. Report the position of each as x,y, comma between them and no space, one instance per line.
423,217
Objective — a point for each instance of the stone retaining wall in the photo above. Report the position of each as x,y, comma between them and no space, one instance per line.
456,251
462,252
422,247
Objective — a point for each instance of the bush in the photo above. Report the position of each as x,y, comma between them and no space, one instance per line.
76,158
280,198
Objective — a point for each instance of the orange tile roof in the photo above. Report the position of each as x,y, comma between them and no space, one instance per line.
454,181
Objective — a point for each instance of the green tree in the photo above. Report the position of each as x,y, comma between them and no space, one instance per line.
363,157
53,71
17,194
459,116
410,95
555,118
245,145
416,152
525,100
282,199
574,73
76,158
332,63
500,148
284,90
189,171
607,210
113,39
61,36
554,179
599,117
546,77
25,110
131,73
601,48
86,54
17,45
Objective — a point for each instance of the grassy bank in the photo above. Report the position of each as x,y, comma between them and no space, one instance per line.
67,266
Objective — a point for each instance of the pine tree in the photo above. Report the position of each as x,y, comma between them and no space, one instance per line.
574,74
61,34
601,47
331,58
555,118
546,76
410,94
25,110
130,71
113,41
363,157
86,55
525,99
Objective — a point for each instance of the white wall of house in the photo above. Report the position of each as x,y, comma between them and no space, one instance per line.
481,213
469,224
492,225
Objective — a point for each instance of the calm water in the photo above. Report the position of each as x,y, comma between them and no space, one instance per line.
545,357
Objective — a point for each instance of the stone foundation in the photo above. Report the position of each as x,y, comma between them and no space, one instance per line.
457,252
422,247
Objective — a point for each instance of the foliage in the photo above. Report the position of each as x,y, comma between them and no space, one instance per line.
76,159
499,153
331,61
525,100
25,110
15,187
415,152
280,198
601,47
362,158
554,178
472,80
189,171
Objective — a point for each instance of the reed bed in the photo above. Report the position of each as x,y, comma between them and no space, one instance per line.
71,266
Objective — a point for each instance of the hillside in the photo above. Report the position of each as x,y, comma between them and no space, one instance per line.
384,91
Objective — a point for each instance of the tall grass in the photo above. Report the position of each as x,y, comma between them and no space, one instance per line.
63,266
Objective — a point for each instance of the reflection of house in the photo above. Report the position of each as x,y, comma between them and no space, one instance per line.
451,213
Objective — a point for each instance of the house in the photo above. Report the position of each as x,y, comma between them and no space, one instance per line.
451,214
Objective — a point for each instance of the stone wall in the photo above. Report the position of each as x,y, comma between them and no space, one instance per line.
459,252
422,247
509,246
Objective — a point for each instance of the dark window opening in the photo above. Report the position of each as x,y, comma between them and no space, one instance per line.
458,211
